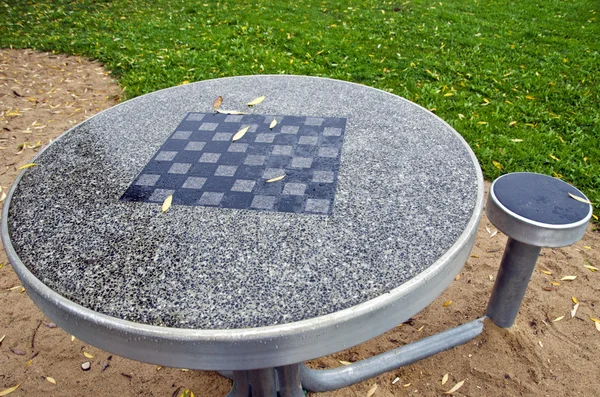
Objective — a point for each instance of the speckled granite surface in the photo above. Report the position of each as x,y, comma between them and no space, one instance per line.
406,189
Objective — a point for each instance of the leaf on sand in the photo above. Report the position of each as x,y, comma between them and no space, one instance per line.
568,278
217,103
497,165
597,326
558,319
546,271
238,135
447,303
26,166
167,203
372,390
596,320
456,387
229,111
273,124
51,380
277,178
580,199
592,268
2,338
574,299
6,392
72,338
555,283
345,362
256,101
574,310
444,379
87,355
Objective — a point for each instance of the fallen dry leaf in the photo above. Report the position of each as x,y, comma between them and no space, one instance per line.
574,299
256,101
238,135
345,362
456,387
395,381
596,320
217,103
555,283
18,352
568,278
592,268
497,165
51,380
27,166
574,310
558,319
277,178
406,385
167,203
87,355
273,124
6,392
229,112
372,390
447,303
546,271
2,338
444,379
580,199
540,343
597,326
72,338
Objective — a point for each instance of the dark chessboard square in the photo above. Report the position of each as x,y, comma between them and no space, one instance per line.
218,184
319,190
232,158
203,169
293,120
333,141
291,204
335,122
202,136
174,145
269,118
249,172
253,119
138,193
309,130
181,135
157,167
305,150
170,181
211,198
269,188
285,139
280,162
238,200
186,156
325,163
259,149
228,127
217,146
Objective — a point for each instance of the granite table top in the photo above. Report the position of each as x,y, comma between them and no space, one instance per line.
375,189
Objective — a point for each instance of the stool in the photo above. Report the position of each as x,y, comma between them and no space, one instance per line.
534,211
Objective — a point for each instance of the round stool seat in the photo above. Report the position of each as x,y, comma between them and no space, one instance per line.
537,209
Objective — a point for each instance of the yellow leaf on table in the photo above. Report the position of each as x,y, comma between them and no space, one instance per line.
229,111
371,390
51,380
273,124
456,387
568,278
26,166
574,299
167,203
87,355
447,303
345,362
444,379
580,199
497,165
558,319
217,103
238,135
6,392
277,178
256,101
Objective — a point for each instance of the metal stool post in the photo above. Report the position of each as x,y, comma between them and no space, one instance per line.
535,211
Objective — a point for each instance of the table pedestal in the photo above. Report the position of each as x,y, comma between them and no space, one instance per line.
268,382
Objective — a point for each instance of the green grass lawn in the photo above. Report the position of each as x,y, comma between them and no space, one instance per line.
519,80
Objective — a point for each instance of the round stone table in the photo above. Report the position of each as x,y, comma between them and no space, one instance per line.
375,215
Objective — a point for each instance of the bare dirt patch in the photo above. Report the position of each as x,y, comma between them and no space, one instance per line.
43,95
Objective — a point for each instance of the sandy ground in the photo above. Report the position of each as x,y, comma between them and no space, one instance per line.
544,354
